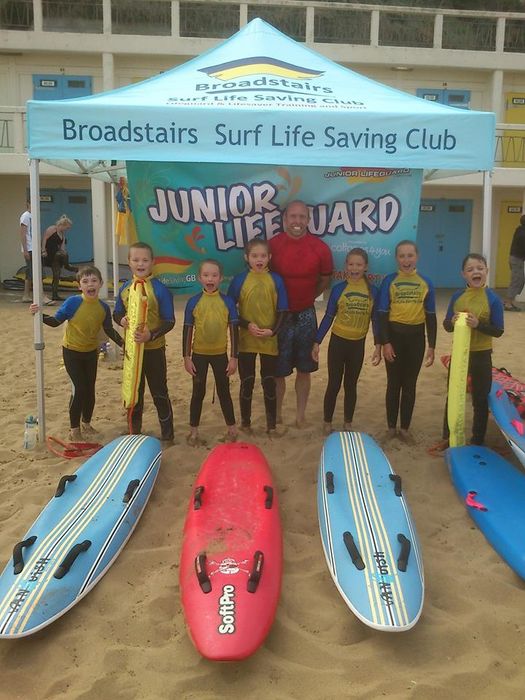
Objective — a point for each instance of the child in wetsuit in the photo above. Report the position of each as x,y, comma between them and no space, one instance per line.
406,305
85,314
262,301
350,307
160,320
485,318
207,318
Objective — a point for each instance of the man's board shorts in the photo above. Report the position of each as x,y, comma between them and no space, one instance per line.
296,338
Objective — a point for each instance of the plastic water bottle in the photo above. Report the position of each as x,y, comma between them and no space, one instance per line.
30,433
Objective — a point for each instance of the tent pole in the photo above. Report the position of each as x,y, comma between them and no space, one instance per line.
487,223
114,243
38,294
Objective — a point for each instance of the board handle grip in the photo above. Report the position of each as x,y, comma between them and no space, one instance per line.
397,483
402,560
18,559
132,487
353,551
256,572
70,557
202,576
197,497
62,484
330,482
268,501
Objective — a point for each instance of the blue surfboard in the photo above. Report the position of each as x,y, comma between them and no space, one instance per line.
369,538
493,491
78,535
508,419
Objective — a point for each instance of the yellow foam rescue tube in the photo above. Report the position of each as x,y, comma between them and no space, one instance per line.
457,381
133,352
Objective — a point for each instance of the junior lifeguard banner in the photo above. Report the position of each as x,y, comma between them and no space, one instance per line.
191,211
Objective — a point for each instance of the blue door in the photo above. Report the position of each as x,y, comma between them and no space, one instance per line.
60,87
76,204
452,98
443,238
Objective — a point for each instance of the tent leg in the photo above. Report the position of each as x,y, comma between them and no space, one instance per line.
114,243
98,195
38,293
487,223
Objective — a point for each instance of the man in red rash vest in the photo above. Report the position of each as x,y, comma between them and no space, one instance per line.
305,263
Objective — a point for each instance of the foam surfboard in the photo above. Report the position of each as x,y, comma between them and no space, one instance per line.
231,560
137,312
493,491
78,535
368,535
508,419
457,381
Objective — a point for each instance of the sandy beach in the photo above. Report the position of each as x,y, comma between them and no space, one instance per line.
127,638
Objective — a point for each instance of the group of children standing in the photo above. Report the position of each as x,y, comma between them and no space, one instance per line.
402,313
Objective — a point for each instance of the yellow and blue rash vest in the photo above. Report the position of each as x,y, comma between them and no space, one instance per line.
160,309
406,298
261,296
487,306
350,307
210,315
85,317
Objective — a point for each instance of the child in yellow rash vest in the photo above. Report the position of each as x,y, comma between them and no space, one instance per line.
159,321
406,305
485,317
85,314
351,306
262,300
207,318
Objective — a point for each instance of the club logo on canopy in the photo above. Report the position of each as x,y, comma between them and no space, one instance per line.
242,67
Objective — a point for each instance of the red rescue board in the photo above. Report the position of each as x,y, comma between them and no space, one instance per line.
231,560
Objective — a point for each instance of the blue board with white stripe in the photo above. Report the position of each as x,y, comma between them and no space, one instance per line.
78,535
368,534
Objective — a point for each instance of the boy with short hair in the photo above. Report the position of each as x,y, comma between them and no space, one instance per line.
159,321
85,314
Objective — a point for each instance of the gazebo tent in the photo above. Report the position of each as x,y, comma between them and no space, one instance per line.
258,97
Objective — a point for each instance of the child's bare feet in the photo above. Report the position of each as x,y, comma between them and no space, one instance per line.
232,434
75,435
195,440
406,436
246,429
347,425
327,428
276,432
88,430
389,435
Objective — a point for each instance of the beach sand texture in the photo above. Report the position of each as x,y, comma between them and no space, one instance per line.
127,638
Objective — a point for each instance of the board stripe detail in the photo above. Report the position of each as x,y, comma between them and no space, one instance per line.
389,596
90,580
328,544
61,538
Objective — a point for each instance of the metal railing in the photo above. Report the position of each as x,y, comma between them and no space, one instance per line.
509,149
313,21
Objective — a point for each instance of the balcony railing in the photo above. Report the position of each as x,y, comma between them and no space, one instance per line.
509,150
313,21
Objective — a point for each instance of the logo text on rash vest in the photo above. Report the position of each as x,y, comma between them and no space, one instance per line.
227,610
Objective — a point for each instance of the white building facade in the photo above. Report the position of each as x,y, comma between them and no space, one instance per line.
50,49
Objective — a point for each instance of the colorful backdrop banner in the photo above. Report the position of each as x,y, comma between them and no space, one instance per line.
192,211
